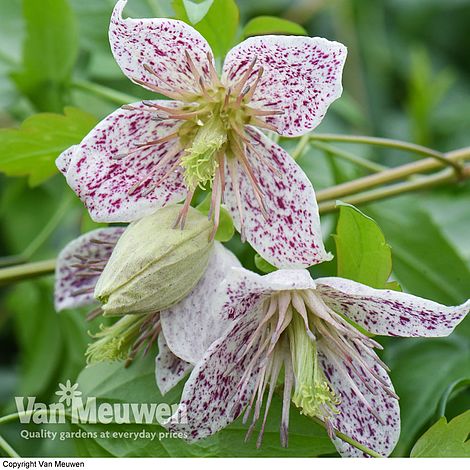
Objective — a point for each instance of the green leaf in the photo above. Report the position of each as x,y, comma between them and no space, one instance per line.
49,52
445,439
216,20
425,261
32,149
225,229
423,368
271,25
52,345
263,265
112,383
197,10
362,253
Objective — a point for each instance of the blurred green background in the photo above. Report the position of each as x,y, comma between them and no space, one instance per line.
407,77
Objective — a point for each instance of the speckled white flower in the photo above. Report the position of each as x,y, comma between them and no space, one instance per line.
79,266
287,323
151,153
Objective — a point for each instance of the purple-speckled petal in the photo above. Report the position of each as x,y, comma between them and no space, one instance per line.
291,236
63,160
192,325
302,77
390,313
106,177
214,395
73,276
355,420
169,369
160,43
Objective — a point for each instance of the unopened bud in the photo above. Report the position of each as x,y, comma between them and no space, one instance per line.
153,265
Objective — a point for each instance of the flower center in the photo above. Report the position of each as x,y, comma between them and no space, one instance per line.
296,333
212,134
200,159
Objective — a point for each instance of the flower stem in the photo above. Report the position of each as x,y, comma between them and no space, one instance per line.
350,157
393,174
24,414
301,146
40,238
423,182
381,142
8,449
27,271
104,92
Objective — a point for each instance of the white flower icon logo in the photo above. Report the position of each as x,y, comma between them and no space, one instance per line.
68,392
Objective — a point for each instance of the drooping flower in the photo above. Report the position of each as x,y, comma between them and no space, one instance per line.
79,267
287,326
152,153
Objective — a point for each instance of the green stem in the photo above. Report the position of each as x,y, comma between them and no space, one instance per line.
390,143
301,146
5,58
350,157
8,449
350,441
379,142
25,414
41,238
424,182
27,271
454,387
393,174
104,92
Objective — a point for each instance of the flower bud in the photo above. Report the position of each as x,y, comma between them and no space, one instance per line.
153,265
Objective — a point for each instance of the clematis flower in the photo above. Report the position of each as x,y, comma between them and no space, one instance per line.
152,153
79,267
286,324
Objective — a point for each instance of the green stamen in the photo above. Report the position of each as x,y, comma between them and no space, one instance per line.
114,342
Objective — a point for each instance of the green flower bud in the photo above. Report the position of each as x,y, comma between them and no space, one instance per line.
153,265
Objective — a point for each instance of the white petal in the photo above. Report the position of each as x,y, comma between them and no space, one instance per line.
160,43
169,369
191,326
355,419
63,160
301,76
213,397
115,179
390,313
291,235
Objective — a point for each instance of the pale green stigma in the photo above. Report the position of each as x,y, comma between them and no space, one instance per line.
200,160
312,393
